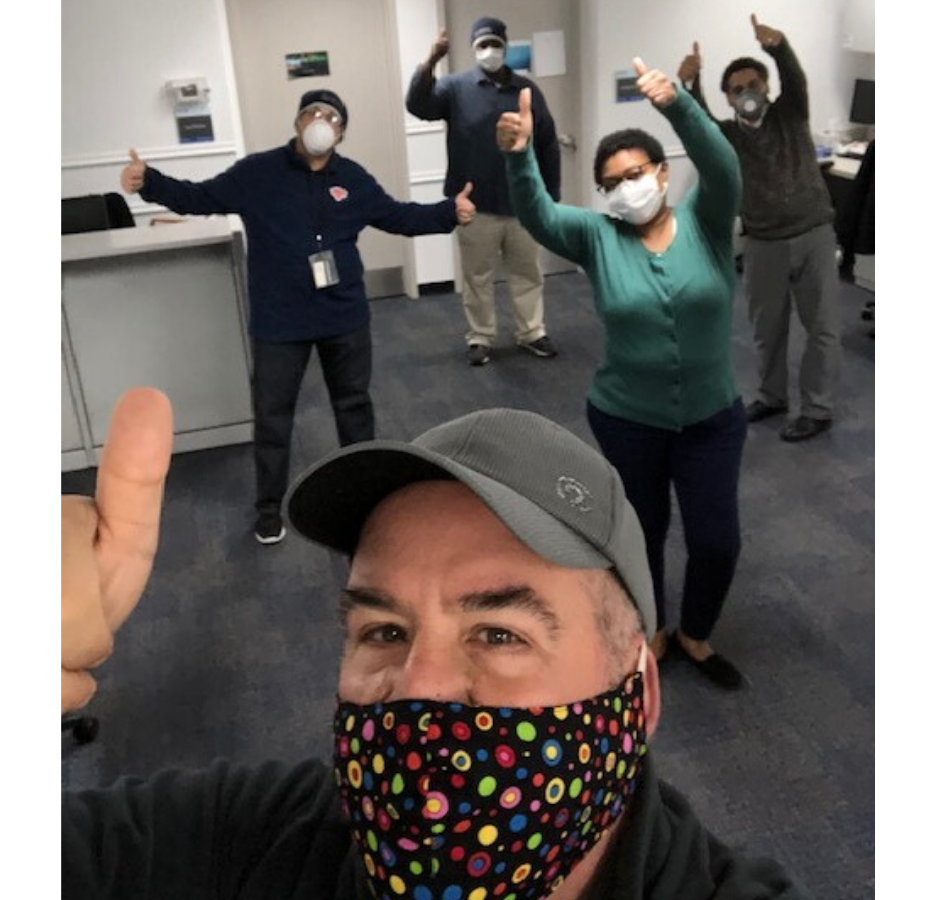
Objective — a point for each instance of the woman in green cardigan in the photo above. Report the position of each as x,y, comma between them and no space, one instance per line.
663,405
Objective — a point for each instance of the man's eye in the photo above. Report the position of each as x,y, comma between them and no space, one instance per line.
383,634
498,636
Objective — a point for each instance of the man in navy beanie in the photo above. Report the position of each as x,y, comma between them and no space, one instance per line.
470,103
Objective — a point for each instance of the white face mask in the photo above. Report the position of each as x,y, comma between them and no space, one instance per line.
637,201
318,137
490,58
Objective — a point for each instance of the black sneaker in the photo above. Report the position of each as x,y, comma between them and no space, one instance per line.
544,347
478,354
269,529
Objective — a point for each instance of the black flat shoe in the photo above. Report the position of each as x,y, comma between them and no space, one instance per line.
757,411
804,428
715,668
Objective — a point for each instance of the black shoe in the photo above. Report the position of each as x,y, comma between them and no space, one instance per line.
715,668
478,354
758,411
269,529
544,347
804,428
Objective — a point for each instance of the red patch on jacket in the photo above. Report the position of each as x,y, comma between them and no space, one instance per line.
338,194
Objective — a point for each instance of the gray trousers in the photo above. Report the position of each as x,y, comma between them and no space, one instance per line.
482,243
798,271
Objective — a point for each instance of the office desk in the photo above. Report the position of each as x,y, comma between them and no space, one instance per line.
162,306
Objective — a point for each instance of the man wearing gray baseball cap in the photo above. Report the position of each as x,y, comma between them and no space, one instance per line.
495,699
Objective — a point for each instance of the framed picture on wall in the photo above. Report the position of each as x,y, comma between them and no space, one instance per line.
307,64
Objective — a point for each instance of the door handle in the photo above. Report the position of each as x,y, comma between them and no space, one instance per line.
567,140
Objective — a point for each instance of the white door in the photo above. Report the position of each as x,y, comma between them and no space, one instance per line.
359,37
418,23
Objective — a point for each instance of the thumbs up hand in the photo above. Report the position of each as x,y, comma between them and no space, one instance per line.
691,65
131,178
464,208
764,34
514,129
653,84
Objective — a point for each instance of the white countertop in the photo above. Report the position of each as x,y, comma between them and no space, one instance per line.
193,232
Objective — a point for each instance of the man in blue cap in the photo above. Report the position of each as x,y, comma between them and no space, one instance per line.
303,207
471,102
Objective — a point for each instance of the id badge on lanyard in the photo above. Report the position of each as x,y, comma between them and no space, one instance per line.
324,269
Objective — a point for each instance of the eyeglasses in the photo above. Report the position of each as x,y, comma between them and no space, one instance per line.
333,117
609,184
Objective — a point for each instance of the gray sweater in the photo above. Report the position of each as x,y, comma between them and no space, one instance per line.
785,194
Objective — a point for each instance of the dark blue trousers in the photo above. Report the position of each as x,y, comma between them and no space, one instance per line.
278,370
702,463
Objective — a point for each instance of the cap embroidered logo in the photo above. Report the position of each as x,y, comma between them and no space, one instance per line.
575,493
338,194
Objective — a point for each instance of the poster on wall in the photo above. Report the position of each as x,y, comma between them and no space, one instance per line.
307,65
625,86
519,56
549,53
193,121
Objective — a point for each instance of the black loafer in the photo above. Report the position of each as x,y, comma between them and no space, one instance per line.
758,410
804,428
715,668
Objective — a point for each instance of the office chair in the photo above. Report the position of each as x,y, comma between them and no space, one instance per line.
118,213
95,212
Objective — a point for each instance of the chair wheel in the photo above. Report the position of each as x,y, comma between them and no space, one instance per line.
85,730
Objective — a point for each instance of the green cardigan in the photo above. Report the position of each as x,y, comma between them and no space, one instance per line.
667,316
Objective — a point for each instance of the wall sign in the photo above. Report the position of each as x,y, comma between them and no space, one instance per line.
307,65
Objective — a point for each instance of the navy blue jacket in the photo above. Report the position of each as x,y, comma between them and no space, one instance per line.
471,103
290,212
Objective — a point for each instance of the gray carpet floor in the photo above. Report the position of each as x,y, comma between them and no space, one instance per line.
233,650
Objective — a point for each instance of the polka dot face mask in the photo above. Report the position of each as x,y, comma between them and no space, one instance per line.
455,802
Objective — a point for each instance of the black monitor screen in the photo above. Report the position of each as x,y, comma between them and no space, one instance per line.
862,108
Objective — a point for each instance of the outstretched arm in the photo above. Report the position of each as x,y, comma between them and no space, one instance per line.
109,542
689,74
562,229
422,98
793,91
718,196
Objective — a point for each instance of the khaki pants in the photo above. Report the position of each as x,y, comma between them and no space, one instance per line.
481,243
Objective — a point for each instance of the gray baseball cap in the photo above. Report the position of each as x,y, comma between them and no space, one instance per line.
558,495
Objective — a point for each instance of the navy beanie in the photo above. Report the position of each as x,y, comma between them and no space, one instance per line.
487,26
328,97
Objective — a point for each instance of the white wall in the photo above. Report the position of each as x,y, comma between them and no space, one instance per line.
112,98
117,56
613,32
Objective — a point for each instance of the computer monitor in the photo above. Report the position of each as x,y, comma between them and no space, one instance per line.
862,108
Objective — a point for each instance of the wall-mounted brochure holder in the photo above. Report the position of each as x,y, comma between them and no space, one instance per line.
192,110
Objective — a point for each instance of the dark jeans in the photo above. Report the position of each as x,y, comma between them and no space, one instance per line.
702,462
278,370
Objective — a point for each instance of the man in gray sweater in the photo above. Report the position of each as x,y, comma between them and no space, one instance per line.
787,214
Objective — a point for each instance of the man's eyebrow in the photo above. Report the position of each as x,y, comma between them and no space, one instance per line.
521,598
352,598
